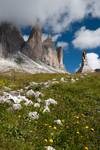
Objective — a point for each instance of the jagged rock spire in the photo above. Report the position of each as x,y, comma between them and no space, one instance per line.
60,57
85,68
35,42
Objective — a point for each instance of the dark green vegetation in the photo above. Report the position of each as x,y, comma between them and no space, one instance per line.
78,108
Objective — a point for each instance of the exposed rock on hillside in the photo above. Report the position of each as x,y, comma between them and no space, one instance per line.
85,68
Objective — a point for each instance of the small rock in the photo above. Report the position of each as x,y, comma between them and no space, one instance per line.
14,93
38,94
14,99
21,91
34,115
30,93
16,106
28,103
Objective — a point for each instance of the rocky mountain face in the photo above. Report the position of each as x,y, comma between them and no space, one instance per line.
51,55
35,42
85,68
11,40
44,53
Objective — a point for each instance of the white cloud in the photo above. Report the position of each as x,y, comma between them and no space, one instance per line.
25,37
56,13
95,8
62,44
93,60
85,38
55,37
44,36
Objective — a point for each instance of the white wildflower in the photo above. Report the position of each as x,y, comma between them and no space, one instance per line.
47,86
46,109
36,105
50,101
46,83
55,82
27,87
7,89
21,91
33,83
58,122
38,100
73,80
62,79
54,79
50,148
34,115
77,79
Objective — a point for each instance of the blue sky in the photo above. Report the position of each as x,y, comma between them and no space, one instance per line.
72,55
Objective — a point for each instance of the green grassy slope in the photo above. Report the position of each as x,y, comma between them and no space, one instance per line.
78,108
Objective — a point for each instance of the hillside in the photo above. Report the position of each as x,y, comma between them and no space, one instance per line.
21,63
49,111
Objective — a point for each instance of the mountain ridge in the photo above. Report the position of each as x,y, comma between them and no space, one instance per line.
41,54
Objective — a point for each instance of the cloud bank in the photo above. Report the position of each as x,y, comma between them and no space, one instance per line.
85,38
58,14
93,60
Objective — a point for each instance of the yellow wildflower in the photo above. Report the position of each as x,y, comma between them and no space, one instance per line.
86,148
50,126
77,122
92,129
78,132
52,133
83,115
55,128
63,120
77,117
86,127
51,140
46,124
45,140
